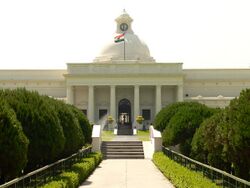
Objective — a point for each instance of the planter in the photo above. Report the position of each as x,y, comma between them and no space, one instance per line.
139,119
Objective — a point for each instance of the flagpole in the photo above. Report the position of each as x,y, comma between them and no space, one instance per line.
124,47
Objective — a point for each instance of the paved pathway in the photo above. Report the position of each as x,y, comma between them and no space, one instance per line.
130,173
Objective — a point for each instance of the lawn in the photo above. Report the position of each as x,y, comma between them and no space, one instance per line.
143,135
107,135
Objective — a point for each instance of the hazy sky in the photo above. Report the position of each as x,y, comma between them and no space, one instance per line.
46,34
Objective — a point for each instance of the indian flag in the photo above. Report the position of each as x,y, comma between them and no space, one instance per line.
120,38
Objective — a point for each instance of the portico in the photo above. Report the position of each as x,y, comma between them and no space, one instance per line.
148,87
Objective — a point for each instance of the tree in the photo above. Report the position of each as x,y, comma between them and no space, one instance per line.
40,124
224,139
84,124
183,124
210,143
163,117
74,139
13,144
239,133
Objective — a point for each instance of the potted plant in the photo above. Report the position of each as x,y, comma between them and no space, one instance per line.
139,119
110,121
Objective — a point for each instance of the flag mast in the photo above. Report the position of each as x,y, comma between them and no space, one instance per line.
124,48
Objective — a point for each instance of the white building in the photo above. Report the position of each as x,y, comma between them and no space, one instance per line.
124,81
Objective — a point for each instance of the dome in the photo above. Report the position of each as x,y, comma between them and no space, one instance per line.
130,48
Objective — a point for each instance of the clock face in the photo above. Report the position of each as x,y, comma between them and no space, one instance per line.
124,27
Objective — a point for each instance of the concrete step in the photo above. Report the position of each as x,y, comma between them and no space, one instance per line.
122,143
124,157
122,150
124,153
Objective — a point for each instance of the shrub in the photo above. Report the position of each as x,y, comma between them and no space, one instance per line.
163,117
183,124
74,139
81,169
179,175
40,124
224,139
91,162
84,124
208,144
13,144
97,157
56,184
70,178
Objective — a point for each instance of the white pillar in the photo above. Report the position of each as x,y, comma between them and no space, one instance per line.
113,102
91,104
157,98
70,95
180,93
136,102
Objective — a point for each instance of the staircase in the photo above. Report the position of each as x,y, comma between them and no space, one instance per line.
122,150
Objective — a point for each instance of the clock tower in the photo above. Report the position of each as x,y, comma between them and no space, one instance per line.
124,23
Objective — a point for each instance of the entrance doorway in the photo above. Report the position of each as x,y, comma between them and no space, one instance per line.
124,117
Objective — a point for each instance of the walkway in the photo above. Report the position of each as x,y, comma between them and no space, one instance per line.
124,173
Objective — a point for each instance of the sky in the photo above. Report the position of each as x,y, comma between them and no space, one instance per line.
47,34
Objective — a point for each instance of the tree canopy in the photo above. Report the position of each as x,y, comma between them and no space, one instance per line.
13,144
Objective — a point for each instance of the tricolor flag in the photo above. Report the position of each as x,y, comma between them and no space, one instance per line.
120,38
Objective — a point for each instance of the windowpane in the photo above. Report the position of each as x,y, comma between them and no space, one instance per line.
102,112
146,114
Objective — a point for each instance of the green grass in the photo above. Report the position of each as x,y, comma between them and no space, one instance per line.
143,135
107,135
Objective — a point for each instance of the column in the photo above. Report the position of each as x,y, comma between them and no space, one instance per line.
179,93
113,102
70,95
157,98
136,102
91,104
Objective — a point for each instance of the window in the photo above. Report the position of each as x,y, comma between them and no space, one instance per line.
102,112
146,114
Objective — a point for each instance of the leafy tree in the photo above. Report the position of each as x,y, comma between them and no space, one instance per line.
40,124
84,124
224,139
210,144
239,133
13,143
163,117
183,124
71,128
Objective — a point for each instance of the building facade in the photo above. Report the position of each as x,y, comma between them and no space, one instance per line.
124,81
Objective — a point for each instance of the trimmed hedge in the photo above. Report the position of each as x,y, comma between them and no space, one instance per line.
76,175
13,144
53,129
179,175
